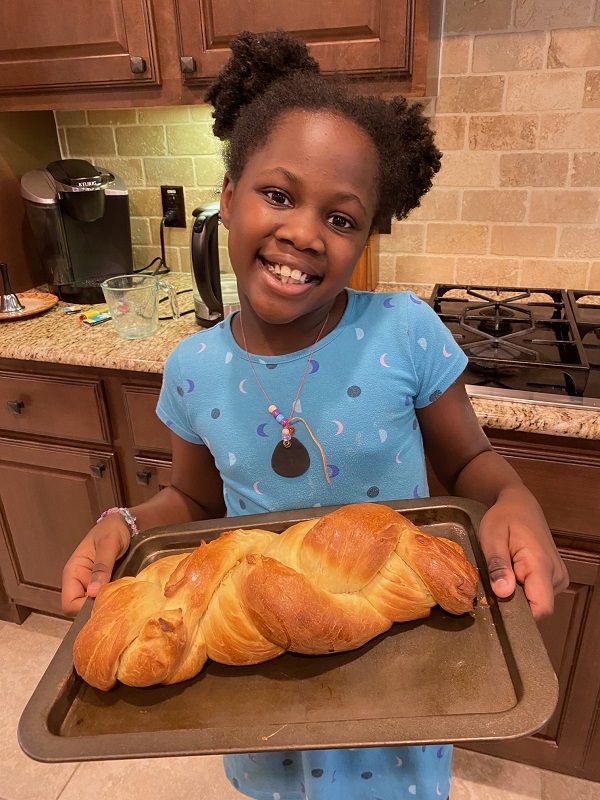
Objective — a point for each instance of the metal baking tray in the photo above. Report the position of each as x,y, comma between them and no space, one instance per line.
441,679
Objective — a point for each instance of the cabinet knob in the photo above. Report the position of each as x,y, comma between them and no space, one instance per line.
15,406
187,64
97,470
143,477
138,65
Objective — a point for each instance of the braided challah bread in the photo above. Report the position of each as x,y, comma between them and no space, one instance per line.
322,586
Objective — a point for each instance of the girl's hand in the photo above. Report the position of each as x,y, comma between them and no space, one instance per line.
518,546
90,566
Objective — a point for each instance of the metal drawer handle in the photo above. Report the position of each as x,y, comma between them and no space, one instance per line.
97,470
15,406
187,64
137,65
143,477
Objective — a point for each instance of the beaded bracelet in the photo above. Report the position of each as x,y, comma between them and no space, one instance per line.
127,516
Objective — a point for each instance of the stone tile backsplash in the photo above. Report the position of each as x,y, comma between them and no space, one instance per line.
518,119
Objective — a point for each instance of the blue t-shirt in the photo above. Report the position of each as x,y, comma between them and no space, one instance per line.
388,355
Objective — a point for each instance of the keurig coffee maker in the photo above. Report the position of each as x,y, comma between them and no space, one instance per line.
79,215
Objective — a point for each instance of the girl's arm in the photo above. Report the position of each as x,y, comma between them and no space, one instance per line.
514,535
195,493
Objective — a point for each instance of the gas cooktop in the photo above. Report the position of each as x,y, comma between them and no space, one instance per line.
540,345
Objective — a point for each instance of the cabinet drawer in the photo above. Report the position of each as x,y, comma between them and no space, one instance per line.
67,408
147,431
567,491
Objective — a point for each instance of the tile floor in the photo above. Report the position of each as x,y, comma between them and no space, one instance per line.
26,650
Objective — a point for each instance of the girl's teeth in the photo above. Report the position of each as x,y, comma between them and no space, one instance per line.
287,275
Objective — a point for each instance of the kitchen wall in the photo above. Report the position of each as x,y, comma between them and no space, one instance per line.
517,200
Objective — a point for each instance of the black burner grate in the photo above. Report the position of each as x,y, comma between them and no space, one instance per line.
586,312
524,339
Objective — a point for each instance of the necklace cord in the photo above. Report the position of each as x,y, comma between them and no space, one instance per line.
292,418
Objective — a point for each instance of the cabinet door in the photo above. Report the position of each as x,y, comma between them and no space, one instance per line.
68,44
364,38
571,638
50,496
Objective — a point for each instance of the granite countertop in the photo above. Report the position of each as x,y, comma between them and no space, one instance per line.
60,338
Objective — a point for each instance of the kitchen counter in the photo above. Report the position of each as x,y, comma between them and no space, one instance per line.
61,338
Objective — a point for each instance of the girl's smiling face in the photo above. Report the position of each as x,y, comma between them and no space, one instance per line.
299,216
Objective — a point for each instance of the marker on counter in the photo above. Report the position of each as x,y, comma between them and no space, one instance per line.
95,316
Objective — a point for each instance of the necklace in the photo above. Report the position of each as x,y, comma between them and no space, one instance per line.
290,457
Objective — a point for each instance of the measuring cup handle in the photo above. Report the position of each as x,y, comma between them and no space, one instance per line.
170,290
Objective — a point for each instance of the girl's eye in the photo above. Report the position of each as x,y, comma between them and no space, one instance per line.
278,197
340,222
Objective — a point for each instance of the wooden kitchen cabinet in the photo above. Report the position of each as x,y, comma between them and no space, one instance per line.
73,442
151,441
66,44
50,495
62,54
564,476
381,39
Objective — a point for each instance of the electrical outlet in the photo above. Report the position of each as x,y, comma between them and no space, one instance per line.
172,200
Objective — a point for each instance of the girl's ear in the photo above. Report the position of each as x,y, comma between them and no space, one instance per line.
226,198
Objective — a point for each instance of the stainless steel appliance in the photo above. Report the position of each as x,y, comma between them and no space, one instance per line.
79,216
215,292
527,344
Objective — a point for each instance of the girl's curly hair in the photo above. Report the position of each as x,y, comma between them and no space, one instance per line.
270,74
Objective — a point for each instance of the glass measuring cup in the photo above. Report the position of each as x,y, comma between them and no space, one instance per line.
133,303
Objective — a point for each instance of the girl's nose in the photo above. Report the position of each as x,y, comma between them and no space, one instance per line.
302,228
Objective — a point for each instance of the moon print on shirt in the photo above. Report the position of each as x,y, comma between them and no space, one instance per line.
190,388
241,386
314,366
340,427
261,430
359,333
382,361
387,303
445,352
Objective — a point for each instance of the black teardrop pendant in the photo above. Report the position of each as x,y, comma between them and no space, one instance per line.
292,461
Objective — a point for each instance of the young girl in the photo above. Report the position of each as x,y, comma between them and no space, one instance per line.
314,394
